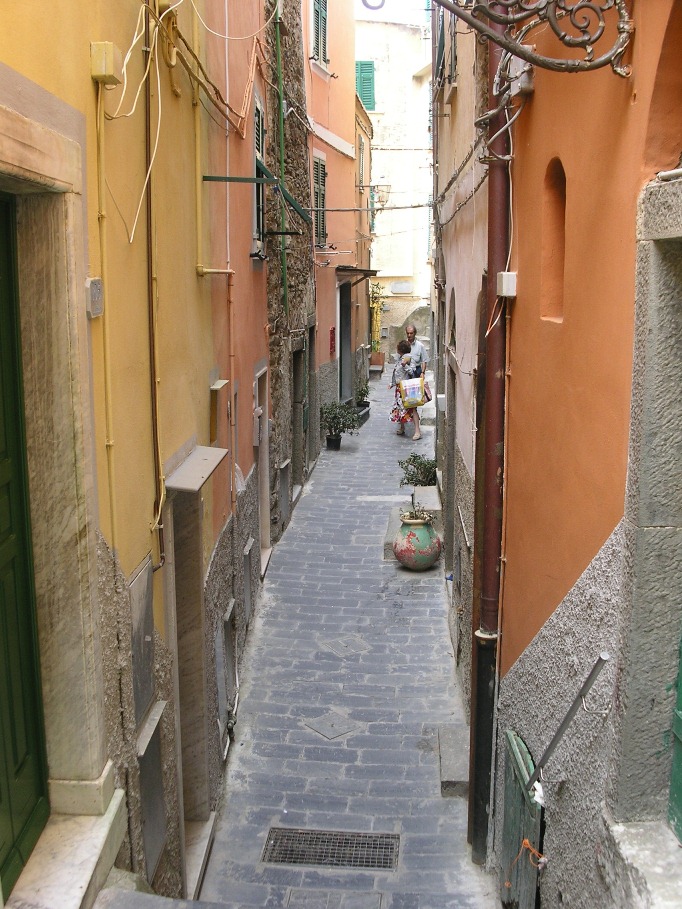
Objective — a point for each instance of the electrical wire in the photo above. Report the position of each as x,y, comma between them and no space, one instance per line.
138,35
460,205
234,37
156,139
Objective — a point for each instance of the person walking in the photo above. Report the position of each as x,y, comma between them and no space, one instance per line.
404,369
417,351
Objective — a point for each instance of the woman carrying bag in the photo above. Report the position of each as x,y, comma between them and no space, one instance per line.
400,413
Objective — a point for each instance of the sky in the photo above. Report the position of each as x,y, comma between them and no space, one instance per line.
410,12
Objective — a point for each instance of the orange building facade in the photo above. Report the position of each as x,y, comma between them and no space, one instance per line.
339,249
588,560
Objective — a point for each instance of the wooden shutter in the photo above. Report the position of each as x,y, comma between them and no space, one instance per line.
364,82
320,30
259,188
319,191
323,31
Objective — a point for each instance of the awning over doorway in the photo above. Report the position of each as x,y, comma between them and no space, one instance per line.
353,271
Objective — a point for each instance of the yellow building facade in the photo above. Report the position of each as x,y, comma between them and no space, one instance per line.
136,470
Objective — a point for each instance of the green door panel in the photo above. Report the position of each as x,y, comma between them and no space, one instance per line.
23,802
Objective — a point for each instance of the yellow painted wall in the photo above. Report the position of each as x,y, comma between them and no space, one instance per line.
53,50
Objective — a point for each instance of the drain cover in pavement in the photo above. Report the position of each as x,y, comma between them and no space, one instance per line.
333,848
346,645
331,725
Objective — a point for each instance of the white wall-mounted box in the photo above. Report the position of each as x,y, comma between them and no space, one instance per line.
506,284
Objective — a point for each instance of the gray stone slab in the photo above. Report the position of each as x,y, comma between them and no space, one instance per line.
453,747
347,644
320,899
129,899
332,725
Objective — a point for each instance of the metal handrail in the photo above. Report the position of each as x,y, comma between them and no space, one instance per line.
572,710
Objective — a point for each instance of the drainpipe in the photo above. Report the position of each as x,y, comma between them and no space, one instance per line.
106,338
280,112
159,489
486,636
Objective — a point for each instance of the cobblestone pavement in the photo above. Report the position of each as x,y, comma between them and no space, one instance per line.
347,675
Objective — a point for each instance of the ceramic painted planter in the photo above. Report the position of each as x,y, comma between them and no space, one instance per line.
417,546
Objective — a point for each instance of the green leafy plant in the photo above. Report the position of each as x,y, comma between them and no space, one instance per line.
361,390
418,471
337,418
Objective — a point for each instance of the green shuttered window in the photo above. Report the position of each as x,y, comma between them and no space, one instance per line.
364,82
320,30
320,193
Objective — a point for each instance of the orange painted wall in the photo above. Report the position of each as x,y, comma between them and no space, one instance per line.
249,300
570,381
331,105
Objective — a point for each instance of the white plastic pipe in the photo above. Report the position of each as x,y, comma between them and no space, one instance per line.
670,174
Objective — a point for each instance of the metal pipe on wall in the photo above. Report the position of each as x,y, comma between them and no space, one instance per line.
106,341
159,488
486,636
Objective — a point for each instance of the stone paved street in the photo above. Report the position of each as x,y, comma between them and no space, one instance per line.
348,674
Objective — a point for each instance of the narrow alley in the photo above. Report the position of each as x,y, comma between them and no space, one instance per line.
348,675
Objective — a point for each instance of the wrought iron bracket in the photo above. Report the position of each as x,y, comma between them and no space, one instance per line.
586,21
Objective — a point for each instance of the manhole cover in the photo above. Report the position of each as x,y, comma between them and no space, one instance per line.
334,848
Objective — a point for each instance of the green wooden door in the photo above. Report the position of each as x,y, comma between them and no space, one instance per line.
675,812
23,804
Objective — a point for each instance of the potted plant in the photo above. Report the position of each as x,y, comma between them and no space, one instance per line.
361,402
337,418
417,545
418,470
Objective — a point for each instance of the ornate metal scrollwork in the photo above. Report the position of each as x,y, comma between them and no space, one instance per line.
575,23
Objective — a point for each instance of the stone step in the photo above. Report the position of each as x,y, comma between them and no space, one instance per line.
453,747
113,898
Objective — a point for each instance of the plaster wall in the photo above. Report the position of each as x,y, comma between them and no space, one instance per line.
328,382
569,403
464,220
401,150
330,93
533,698
460,619
48,159
614,766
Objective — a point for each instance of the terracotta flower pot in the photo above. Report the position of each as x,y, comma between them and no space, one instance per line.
417,546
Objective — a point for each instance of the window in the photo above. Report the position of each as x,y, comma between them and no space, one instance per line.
319,201
361,163
320,31
364,82
553,243
259,191
452,68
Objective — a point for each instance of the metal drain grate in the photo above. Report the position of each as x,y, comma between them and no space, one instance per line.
334,848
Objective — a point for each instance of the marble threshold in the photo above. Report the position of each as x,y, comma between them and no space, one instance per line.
72,859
